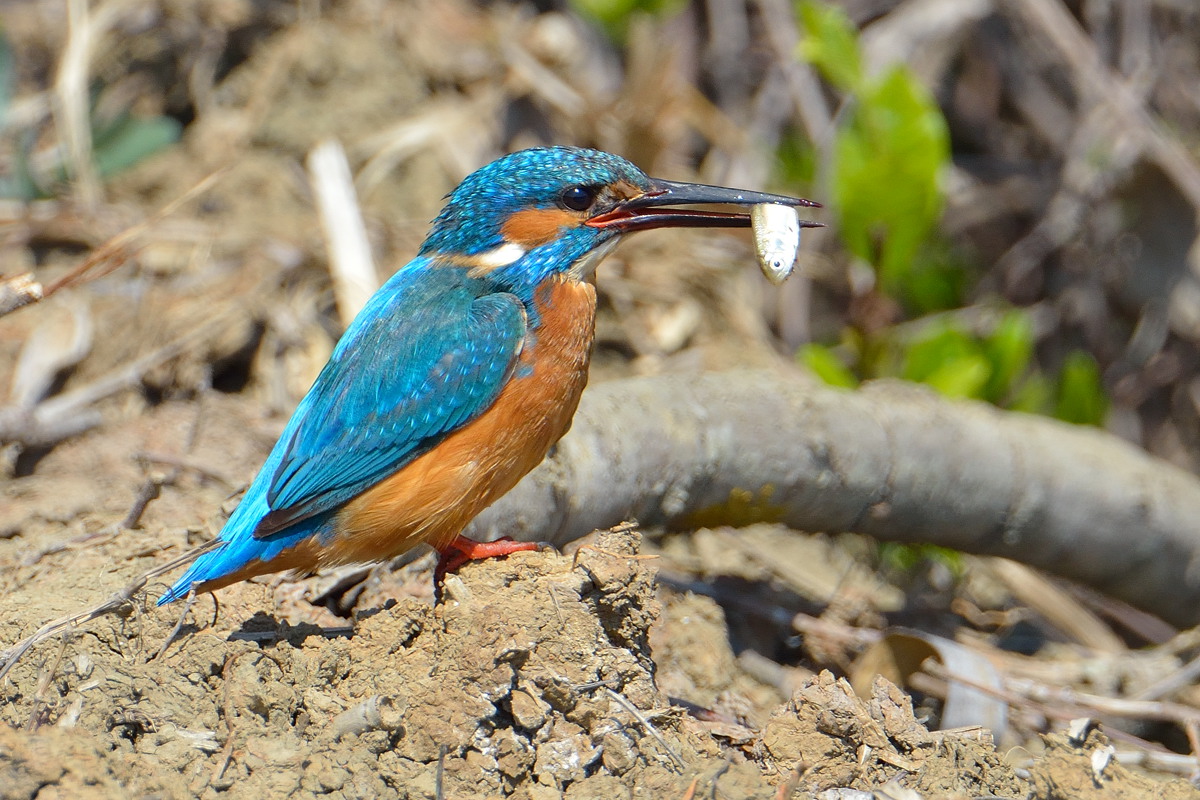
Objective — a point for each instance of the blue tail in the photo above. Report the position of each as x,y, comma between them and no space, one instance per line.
238,545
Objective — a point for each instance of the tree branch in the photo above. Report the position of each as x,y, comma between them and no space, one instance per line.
892,460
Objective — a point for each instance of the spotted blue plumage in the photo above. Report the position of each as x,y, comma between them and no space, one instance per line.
529,179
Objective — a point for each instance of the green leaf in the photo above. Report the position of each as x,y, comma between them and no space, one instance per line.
830,44
950,360
888,155
19,184
825,364
933,283
888,160
939,344
1034,396
907,557
1081,396
962,377
1010,349
902,558
615,16
130,140
796,160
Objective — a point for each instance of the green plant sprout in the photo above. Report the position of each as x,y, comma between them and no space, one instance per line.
890,149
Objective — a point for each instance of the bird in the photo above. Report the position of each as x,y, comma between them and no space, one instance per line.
458,375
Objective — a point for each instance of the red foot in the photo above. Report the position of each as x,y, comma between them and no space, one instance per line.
462,550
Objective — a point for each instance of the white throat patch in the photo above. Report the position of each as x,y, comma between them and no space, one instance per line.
586,265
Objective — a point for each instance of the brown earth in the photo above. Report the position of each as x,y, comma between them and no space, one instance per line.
521,682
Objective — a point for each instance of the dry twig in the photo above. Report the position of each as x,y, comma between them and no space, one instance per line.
17,291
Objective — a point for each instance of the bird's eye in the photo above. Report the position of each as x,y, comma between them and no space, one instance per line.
578,198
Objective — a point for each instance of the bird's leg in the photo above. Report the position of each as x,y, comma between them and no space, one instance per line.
461,550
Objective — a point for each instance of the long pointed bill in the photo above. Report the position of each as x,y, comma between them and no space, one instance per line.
652,209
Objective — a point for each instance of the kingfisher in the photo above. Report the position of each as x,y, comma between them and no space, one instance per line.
458,375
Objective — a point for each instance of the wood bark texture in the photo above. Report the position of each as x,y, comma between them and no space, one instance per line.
891,460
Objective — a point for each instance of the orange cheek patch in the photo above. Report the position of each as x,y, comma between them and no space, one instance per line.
537,226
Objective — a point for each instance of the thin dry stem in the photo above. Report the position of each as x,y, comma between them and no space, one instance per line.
354,277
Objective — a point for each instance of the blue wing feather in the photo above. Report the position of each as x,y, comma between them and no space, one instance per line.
429,352
411,377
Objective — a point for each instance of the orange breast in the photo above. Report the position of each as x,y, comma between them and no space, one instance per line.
436,495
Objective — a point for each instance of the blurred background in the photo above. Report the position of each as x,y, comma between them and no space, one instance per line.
1011,188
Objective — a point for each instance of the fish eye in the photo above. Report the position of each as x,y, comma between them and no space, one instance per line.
578,198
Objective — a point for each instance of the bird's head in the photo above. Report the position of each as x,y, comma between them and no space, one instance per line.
558,210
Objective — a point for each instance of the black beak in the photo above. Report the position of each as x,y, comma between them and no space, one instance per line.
651,210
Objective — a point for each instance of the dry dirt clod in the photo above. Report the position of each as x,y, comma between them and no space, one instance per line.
838,741
1086,770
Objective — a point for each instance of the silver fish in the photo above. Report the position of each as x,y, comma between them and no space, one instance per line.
776,239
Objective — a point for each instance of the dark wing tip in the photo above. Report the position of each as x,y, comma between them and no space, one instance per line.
274,522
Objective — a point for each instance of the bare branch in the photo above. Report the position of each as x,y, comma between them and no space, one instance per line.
893,461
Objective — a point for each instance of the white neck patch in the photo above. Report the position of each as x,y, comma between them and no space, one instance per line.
502,256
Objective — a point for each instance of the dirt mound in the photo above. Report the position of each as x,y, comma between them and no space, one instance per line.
534,677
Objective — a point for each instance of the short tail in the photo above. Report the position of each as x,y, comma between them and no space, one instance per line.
239,552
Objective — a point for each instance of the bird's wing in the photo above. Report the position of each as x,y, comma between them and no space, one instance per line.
412,368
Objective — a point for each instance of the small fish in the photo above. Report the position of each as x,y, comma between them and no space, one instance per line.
776,239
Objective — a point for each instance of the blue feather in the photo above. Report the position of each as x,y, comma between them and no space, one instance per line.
429,352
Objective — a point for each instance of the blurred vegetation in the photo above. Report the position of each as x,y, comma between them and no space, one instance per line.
120,140
888,157
616,16
690,86
889,151
126,140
